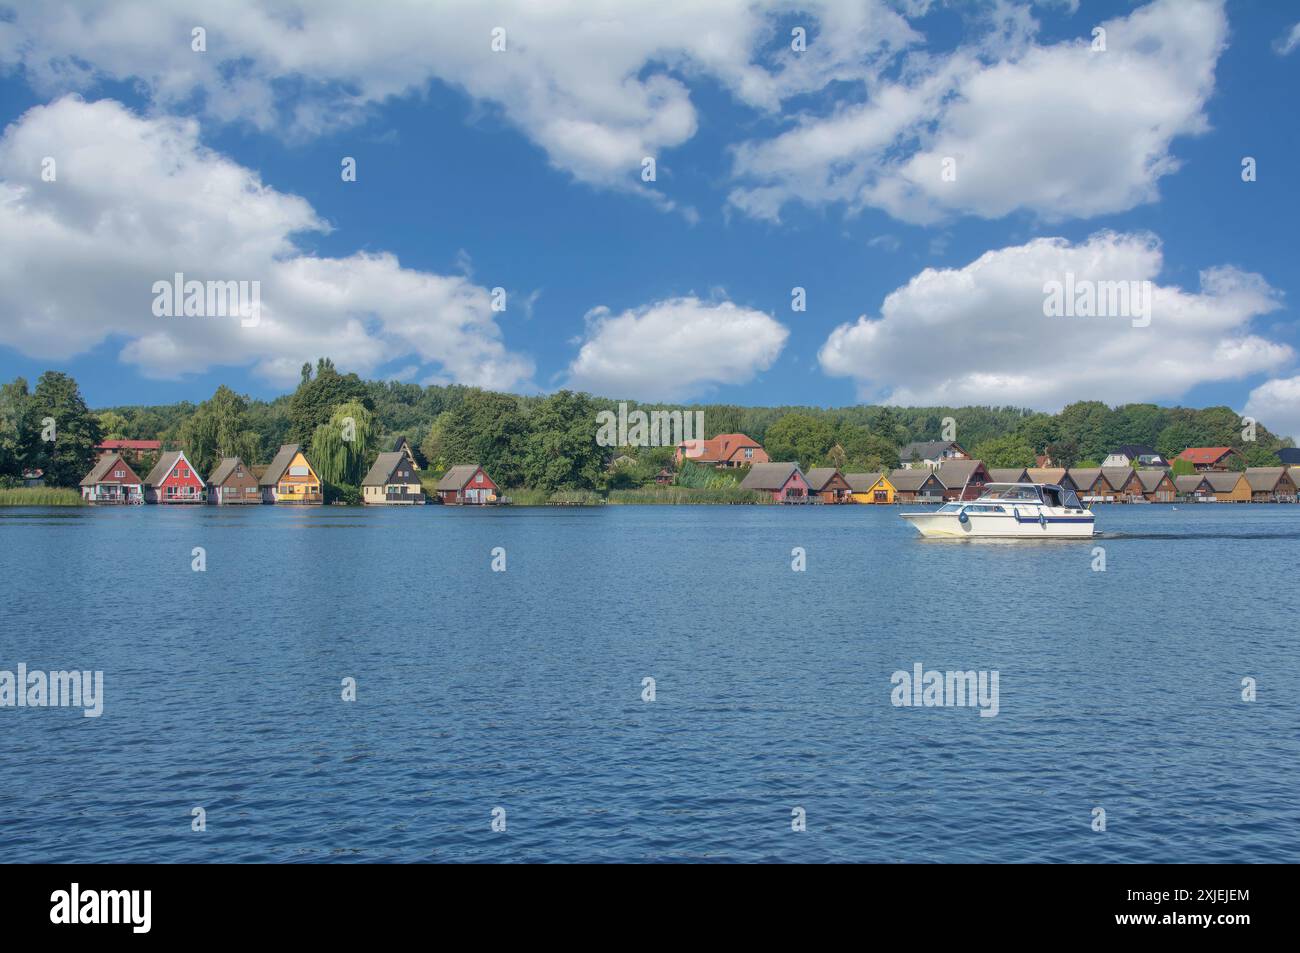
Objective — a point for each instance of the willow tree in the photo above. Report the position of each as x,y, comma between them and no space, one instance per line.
344,448
219,428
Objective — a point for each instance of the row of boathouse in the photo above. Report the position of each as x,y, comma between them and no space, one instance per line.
289,479
965,479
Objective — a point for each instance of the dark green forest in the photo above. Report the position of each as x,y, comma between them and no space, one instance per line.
549,442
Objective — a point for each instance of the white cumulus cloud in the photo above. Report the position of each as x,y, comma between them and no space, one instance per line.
979,335
1005,123
1276,404
674,349
135,200
598,84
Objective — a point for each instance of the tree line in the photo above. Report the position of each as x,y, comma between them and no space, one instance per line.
549,442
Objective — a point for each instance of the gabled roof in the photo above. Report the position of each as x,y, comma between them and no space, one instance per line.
909,481
1118,477
954,474
721,447
1151,479
862,482
164,467
1264,479
279,463
402,445
769,476
927,450
1047,475
457,477
1084,478
1224,481
383,468
818,477
1190,482
1009,475
224,469
103,465
1205,454
129,445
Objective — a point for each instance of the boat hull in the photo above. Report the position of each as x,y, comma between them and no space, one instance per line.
1012,526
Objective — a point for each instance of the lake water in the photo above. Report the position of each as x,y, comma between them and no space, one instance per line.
522,690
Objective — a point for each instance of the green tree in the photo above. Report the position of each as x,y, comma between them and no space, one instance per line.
1084,429
800,437
1260,456
15,426
64,429
219,428
867,450
1180,435
344,448
113,425
313,403
489,429
1065,452
1008,451
561,448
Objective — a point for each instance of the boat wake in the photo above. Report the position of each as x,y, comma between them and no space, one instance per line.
1246,536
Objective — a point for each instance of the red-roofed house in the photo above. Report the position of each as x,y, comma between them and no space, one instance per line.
724,450
1209,458
130,449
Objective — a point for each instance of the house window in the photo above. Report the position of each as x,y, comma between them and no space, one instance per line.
749,453
478,478
119,474
298,471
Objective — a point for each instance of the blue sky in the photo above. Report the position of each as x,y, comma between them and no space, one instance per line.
521,169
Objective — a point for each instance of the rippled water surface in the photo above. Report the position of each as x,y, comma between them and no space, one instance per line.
522,690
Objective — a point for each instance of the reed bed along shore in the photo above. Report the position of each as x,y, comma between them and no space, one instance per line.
526,497
40,496
677,495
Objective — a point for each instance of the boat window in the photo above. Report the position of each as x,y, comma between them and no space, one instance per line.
950,508
1053,495
1072,500
1026,494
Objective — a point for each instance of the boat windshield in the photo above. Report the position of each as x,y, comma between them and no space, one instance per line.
1012,492
949,508
1071,500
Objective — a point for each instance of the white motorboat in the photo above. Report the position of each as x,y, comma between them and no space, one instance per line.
1009,511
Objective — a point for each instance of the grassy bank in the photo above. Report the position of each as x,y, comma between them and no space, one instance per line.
40,496
526,497
676,495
